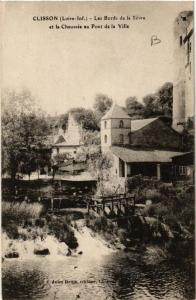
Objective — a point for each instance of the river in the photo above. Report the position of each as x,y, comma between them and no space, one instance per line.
98,273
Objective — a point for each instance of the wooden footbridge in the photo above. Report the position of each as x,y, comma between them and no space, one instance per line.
120,205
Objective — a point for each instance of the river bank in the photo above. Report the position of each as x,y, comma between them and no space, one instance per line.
84,262
76,234
98,273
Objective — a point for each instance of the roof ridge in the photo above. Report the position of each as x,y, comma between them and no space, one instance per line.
116,112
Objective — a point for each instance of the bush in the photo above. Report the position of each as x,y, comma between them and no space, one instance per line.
122,234
40,222
12,231
19,211
63,232
99,224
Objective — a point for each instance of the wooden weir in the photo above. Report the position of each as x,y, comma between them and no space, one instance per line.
112,206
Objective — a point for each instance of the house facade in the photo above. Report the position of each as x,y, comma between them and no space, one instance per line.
69,141
183,167
139,146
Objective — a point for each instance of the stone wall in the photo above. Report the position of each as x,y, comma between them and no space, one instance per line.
181,85
113,132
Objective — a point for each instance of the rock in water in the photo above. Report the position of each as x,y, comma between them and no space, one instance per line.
13,254
41,251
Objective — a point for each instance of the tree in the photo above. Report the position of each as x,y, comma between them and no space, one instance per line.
24,128
134,108
90,138
85,117
151,106
159,103
101,105
165,95
101,165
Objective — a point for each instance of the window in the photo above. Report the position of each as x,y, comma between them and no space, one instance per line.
105,124
105,139
121,124
57,150
121,139
182,170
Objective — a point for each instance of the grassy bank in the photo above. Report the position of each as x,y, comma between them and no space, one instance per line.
166,227
29,221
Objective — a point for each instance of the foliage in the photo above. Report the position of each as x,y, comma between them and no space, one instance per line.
173,204
85,118
102,103
24,128
165,94
152,108
100,165
154,255
12,230
187,139
61,229
159,103
91,138
19,211
134,108
100,224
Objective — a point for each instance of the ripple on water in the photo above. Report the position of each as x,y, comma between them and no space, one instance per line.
116,276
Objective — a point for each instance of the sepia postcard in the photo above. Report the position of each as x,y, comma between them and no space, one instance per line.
97,150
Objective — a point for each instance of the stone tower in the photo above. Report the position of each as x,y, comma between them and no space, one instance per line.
181,100
115,128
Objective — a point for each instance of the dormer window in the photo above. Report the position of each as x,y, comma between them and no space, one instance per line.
121,124
105,124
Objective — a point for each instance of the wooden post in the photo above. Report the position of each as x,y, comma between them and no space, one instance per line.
158,171
129,169
103,207
120,205
52,204
125,170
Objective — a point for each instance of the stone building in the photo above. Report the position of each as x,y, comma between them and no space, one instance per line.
139,146
183,88
115,128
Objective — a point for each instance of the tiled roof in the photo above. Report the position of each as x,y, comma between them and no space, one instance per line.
137,155
138,124
116,112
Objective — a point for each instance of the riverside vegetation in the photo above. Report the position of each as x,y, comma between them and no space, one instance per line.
29,221
166,230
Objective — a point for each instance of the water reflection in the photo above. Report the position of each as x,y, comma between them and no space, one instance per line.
115,276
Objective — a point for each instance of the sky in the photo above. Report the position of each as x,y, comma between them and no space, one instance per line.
67,68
